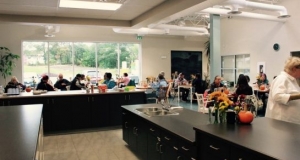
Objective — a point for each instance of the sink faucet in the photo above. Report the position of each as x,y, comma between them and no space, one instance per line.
165,106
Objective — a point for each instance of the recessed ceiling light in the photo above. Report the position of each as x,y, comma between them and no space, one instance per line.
89,5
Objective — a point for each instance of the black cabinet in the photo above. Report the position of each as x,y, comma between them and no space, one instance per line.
136,98
99,110
135,134
117,100
212,147
81,112
61,113
151,142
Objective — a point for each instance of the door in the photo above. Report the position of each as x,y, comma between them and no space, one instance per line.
153,147
136,98
99,111
61,113
81,112
115,111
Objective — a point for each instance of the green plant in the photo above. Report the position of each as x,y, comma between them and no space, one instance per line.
7,62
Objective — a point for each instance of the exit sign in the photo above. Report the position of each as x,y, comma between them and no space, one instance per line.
139,37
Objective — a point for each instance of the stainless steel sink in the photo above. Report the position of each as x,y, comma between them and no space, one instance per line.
156,111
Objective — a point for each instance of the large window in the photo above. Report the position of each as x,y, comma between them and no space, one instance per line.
234,65
71,58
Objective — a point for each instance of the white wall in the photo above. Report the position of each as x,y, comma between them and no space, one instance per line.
256,37
153,47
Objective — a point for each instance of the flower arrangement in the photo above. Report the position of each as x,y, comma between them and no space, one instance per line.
221,104
221,99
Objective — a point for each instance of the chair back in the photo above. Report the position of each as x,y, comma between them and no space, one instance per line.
202,103
131,83
200,99
162,93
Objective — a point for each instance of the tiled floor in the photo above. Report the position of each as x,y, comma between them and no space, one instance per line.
98,145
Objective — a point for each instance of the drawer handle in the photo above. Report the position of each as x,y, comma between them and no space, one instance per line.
193,158
136,131
124,113
184,148
167,138
175,148
157,149
133,130
160,148
178,158
126,124
152,130
240,158
215,148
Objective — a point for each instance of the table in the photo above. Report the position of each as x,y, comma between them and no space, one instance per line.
187,87
142,87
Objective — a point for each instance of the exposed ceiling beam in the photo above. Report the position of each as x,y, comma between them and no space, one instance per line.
162,11
42,20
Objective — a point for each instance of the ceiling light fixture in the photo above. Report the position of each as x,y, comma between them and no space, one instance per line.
89,5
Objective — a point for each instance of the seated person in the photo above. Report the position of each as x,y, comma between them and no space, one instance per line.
14,83
160,94
43,85
216,84
182,81
109,81
125,80
243,87
61,83
76,83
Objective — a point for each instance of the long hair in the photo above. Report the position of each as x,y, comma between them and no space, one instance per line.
242,82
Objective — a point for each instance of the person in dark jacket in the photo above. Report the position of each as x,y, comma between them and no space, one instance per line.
43,85
198,84
76,84
61,83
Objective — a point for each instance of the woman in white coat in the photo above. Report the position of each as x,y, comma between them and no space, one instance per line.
284,97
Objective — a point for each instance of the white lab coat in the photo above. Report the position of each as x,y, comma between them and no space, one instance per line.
278,105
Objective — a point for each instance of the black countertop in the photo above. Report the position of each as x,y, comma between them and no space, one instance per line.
181,125
67,93
19,129
277,139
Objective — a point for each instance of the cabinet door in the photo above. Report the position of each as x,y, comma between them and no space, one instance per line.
125,125
47,113
153,147
81,112
99,111
136,98
168,152
115,110
132,129
141,135
61,112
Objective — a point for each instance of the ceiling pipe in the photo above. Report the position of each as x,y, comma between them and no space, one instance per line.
243,14
182,28
189,11
149,31
243,3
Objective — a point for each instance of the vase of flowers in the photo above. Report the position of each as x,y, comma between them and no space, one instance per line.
221,105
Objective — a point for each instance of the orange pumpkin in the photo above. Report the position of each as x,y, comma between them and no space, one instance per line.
262,87
245,116
226,91
28,89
